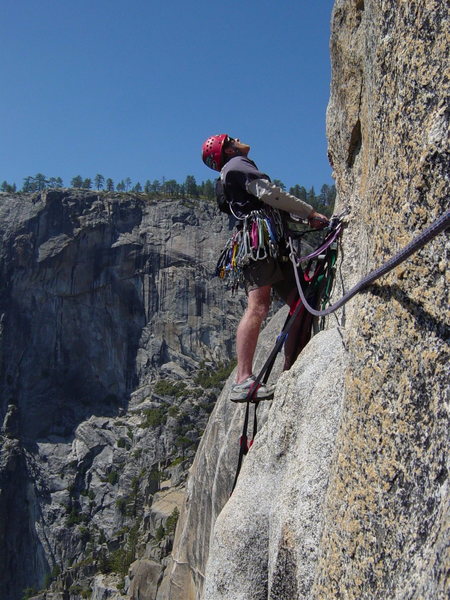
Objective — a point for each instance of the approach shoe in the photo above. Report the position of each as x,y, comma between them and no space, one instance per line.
239,391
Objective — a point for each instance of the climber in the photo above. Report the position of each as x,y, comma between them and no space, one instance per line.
247,190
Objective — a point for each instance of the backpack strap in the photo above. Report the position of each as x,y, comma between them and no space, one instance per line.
223,203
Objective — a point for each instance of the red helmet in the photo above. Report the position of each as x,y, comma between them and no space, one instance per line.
212,151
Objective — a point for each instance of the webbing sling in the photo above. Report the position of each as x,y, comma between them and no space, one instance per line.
262,377
438,226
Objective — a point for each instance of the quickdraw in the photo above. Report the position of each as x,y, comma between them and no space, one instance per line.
258,237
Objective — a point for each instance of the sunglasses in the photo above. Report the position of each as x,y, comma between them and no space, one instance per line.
228,141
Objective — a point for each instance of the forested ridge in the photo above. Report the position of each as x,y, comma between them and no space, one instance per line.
323,201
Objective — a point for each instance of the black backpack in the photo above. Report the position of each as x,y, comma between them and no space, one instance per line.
221,197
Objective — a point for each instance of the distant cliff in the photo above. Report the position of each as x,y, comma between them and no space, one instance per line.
344,493
111,323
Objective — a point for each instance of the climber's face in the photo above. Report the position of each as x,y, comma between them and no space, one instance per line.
233,146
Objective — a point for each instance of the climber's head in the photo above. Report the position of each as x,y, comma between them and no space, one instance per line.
218,149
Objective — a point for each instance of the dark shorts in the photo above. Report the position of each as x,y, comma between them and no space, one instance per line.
279,274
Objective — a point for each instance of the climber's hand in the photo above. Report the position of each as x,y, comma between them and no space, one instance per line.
317,221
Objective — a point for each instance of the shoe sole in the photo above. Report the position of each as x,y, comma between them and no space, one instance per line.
254,399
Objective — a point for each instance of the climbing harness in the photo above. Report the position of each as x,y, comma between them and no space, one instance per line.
257,237
315,289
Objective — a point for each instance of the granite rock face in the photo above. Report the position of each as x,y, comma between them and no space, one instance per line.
386,531
108,310
266,539
345,492
211,479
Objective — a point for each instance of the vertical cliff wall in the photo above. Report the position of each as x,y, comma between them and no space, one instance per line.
345,492
103,296
386,528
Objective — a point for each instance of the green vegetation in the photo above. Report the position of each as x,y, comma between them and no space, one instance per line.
85,562
323,202
183,443
208,377
127,505
168,188
121,504
154,417
101,537
173,411
119,560
78,590
156,188
171,522
164,387
88,493
112,478
75,517
169,529
156,475
160,533
123,443
207,407
75,588
51,576
85,534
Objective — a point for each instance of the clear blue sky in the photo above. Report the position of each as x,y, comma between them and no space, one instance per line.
132,89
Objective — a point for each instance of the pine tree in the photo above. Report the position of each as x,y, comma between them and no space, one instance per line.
28,185
77,182
190,187
6,187
40,181
99,181
209,189
55,182
327,194
110,185
311,197
302,195
172,188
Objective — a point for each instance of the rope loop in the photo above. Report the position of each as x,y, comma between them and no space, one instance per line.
439,225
